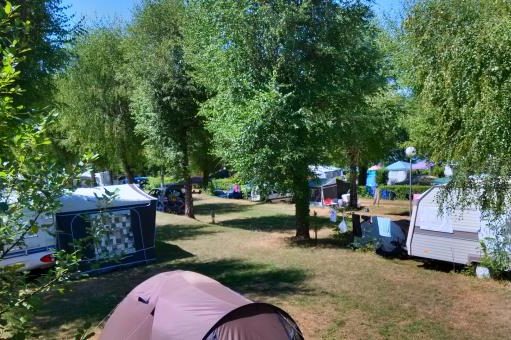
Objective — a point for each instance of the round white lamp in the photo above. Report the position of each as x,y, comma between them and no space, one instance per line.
410,152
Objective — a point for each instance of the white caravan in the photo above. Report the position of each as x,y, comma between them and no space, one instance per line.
37,250
454,236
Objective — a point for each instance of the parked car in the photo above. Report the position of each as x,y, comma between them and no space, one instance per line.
172,200
141,181
220,193
36,250
234,194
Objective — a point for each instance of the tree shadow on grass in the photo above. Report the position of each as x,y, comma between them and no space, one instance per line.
91,300
248,277
220,208
273,223
183,232
344,241
169,252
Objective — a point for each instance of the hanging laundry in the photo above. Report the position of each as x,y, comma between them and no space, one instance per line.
343,226
384,226
333,215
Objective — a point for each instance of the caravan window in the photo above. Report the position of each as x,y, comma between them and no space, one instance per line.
429,218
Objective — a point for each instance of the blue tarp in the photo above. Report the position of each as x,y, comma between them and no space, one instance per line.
399,166
441,181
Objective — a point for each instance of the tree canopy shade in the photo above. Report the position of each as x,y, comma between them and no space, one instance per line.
166,100
94,97
284,74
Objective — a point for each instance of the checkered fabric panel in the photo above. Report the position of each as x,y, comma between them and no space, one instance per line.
117,236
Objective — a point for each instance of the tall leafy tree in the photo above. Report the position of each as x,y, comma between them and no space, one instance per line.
371,132
285,75
51,29
457,58
31,182
94,97
457,61
167,99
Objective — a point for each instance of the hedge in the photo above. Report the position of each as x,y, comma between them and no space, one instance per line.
401,191
362,192
223,183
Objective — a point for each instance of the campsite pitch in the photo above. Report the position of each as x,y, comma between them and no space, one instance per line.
332,291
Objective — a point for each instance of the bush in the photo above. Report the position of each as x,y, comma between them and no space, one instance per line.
437,171
401,191
495,257
362,192
382,176
223,183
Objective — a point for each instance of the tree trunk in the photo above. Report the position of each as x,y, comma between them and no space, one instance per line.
301,197
93,181
188,197
353,186
130,177
205,179
362,175
188,182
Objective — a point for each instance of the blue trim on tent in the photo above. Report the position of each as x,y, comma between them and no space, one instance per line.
29,251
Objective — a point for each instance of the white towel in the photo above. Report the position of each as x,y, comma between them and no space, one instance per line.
333,215
343,227
384,226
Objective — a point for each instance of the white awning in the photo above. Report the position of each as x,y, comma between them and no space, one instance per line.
83,199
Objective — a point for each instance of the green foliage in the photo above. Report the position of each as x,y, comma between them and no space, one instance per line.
437,171
382,177
496,254
95,102
362,192
31,184
457,57
51,29
285,75
166,99
402,191
224,183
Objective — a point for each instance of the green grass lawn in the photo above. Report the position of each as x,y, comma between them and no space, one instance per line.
332,291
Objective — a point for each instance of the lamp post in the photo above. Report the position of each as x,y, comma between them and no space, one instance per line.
410,152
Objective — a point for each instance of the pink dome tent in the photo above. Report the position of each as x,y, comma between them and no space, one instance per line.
186,305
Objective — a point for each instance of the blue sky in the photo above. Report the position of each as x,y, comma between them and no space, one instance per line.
95,9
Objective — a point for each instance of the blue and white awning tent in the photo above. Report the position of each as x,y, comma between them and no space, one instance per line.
128,232
399,166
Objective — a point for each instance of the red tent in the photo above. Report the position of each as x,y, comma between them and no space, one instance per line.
186,305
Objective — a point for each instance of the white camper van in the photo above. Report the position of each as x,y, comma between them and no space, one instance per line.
454,236
37,250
